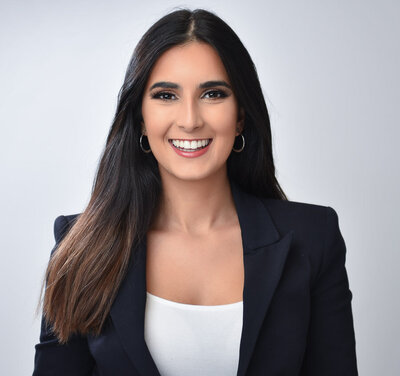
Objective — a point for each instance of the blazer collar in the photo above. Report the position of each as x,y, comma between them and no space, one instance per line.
264,251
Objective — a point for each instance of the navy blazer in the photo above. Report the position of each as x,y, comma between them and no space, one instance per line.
297,315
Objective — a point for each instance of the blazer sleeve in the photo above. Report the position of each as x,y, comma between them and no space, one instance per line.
331,346
51,358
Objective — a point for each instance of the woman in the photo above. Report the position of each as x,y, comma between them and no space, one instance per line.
189,259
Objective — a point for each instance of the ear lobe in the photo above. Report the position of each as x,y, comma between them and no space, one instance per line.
240,124
241,113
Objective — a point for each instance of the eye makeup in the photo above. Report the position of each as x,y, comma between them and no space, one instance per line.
217,94
203,85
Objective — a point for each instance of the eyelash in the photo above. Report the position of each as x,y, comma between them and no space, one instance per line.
156,95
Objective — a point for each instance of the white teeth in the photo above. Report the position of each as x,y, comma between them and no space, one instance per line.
191,145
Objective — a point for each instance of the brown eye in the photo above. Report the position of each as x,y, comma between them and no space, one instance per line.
163,95
215,94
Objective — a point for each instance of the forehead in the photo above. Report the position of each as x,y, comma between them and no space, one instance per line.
190,63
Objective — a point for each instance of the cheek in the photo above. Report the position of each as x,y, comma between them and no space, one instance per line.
223,119
161,113
154,121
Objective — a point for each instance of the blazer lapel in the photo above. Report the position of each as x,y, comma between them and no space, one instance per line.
264,255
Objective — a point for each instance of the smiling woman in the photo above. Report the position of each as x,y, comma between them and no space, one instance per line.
194,114
189,259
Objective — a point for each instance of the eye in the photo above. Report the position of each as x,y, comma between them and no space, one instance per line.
167,96
163,95
216,94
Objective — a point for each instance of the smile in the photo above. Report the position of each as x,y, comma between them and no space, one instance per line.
190,145
190,148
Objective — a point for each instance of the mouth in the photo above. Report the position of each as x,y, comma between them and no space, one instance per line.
190,145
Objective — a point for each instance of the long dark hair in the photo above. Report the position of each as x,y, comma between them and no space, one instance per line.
85,272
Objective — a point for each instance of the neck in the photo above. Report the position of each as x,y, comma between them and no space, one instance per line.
195,206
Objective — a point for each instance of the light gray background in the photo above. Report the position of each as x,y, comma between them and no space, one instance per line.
329,71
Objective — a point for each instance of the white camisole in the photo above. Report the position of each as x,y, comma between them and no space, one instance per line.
196,340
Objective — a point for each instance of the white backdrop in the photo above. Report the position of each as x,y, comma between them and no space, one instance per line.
330,74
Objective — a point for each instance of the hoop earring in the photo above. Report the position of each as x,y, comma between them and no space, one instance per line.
141,146
239,150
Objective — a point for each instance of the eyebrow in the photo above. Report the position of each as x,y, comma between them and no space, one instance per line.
203,85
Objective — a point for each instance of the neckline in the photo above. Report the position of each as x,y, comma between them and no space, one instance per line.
194,306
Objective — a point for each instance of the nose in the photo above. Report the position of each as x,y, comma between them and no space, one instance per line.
189,116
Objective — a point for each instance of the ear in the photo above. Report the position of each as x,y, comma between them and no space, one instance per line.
143,128
240,123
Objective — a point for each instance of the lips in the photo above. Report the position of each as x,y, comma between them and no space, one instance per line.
190,145
189,152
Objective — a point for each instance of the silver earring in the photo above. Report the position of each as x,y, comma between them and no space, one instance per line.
239,150
141,146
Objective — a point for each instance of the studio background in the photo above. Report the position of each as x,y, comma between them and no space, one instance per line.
329,72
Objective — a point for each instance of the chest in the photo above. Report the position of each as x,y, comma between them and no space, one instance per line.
201,270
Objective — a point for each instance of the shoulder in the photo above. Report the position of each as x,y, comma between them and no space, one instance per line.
316,231
292,215
62,224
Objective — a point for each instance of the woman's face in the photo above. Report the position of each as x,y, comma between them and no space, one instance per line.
188,102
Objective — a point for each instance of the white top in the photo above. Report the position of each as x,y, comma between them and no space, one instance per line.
196,340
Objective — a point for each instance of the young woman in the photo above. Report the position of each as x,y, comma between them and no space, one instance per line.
189,259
